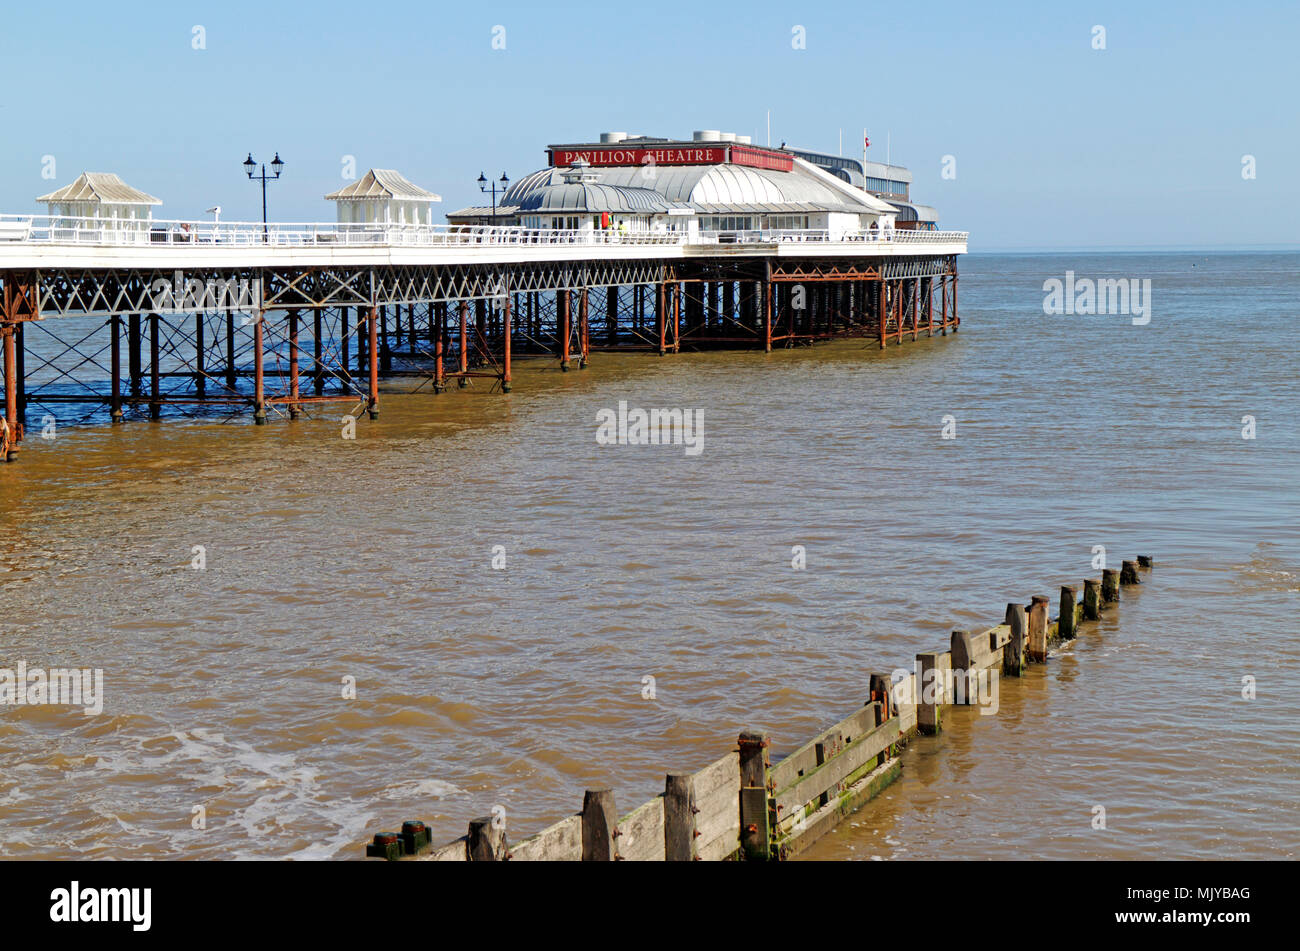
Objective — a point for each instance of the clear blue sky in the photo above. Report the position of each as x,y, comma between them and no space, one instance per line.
1056,144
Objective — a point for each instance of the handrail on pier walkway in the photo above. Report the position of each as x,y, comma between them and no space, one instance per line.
101,232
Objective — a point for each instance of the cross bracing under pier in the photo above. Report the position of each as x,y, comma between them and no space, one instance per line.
150,335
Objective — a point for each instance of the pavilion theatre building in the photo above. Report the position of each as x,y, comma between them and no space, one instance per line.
715,182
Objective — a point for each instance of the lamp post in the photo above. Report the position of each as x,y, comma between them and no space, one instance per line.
277,167
483,187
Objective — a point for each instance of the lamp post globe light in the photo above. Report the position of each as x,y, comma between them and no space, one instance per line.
250,167
483,186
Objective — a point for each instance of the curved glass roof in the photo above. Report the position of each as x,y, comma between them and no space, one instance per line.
705,188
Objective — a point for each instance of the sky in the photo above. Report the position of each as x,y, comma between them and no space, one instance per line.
1050,143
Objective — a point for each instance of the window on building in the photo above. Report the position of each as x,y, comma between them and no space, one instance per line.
726,223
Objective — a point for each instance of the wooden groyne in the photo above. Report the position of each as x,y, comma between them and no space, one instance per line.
745,807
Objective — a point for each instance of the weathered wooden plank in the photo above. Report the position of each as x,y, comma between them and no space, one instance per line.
837,769
561,842
722,817
797,821
719,832
456,851
827,817
712,780
641,833
972,654
721,847
804,759
999,637
717,799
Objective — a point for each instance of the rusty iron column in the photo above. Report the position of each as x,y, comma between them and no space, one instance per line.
344,370
363,340
231,381
373,399
956,320
943,301
611,315
677,317
115,404
481,331
259,394
20,359
505,346
882,311
317,352
200,376
293,364
133,339
464,339
661,315
13,429
439,319
768,292
155,405
916,308
582,331
565,330
767,307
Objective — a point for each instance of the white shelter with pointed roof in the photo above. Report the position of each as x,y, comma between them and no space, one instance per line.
383,196
113,203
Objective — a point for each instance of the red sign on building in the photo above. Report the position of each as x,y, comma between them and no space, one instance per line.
676,155
761,158
685,154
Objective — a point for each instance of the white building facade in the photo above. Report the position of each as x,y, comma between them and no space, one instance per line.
100,201
711,183
384,197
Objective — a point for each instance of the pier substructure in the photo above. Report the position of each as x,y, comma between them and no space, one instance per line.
284,341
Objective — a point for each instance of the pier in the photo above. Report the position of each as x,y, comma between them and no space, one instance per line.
746,806
279,319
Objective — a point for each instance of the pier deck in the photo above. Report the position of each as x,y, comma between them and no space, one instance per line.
193,310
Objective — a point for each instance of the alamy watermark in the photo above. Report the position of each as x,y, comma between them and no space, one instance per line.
653,427
58,686
1127,296
181,295
976,687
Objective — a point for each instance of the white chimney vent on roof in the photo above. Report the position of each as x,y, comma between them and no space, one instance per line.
609,138
708,135
726,137
743,140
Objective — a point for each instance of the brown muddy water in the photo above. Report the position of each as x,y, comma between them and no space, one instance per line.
372,559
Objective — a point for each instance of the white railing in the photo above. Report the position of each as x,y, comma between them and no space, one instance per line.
43,229
873,236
